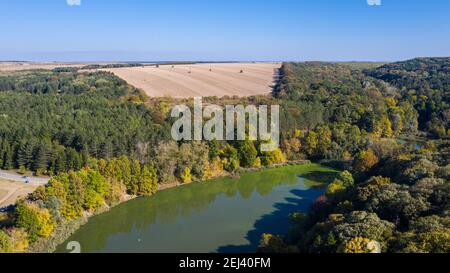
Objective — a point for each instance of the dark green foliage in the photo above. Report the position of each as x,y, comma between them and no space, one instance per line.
425,83
406,217
84,116
103,66
247,153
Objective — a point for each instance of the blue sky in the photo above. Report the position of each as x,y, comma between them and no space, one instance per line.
155,30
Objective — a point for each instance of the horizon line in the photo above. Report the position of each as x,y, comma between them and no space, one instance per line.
55,61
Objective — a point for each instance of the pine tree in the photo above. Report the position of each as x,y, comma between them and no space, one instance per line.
2,151
59,161
74,160
25,154
41,156
7,162
106,150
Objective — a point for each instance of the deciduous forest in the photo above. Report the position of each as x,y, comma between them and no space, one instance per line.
387,128
103,142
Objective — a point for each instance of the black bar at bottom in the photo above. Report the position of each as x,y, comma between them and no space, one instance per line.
279,263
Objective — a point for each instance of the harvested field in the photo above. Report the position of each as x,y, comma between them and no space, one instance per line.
216,79
18,66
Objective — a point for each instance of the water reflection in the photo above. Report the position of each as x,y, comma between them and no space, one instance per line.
224,215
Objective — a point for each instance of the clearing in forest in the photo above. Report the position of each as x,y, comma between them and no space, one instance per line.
193,80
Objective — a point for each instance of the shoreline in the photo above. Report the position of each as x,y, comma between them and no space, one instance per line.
64,231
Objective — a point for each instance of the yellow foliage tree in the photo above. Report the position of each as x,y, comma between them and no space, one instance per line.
391,102
365,160
360,245
257,163
346,155
292,147
386,127
379,180
19,240
335,187
212,169
186,176
272,157
275,244
36,221
311,142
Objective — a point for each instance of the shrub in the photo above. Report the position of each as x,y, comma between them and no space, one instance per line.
36,221
19,240
274,244
272,157
5,242
437,241
365,160
247,153
186,176
360,245
363,224
343,181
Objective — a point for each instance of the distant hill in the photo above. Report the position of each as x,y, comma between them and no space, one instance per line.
425,82
417,73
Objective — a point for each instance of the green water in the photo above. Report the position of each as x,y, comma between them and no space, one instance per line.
222,215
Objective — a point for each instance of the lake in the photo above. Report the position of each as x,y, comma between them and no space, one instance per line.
222,215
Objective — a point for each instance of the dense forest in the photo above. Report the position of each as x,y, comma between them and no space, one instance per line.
65,118
52,122
104,142
423,82
392,196
332,111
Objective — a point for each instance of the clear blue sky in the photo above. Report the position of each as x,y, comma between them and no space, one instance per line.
154,30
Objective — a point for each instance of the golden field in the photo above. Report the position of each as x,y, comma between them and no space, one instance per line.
216,79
